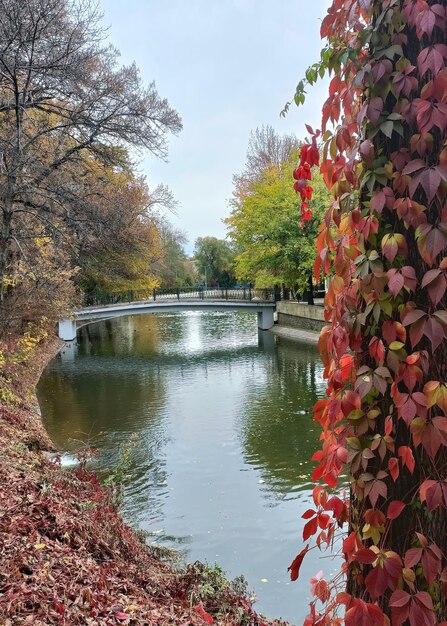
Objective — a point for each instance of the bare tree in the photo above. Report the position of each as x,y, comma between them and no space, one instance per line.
63,99
266,149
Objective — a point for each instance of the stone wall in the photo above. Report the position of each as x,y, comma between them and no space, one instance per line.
298,315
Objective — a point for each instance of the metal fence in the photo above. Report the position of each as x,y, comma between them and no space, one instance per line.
96,298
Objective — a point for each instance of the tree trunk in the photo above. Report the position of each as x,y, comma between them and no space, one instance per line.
5,251
402,531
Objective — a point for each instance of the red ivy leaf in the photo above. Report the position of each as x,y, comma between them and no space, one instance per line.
412,557
430,178
400,606
432,59
389,247
393,466
294,568
365,556
406,455
395,281
395,509
376,582
435,331
375,489
431,242
375,108
360,613
434,492
434,435
310,528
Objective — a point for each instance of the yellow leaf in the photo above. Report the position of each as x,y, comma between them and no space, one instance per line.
396,345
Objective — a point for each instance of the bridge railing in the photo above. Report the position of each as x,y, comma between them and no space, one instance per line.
97,298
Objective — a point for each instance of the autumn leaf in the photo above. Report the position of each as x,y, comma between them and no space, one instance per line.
406,456
395,508
294,568
203,614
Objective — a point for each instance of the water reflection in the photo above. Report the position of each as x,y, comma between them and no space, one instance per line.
277,428
224,434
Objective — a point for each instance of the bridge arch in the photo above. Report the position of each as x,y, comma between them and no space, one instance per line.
69,326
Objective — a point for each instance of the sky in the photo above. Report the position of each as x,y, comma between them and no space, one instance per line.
227,67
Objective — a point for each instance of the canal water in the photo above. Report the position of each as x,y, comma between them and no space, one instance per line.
219,421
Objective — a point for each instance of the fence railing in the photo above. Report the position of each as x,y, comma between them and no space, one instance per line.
247,294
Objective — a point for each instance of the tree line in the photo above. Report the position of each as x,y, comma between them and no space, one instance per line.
75,214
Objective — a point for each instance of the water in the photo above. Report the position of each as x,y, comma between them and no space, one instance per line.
222,431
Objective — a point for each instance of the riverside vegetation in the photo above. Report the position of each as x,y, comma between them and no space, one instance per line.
67,556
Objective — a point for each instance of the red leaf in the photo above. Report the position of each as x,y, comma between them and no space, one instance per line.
428,17
434,280
393,466
431,562
434,435
294,568
432,58
436,289
410,277
406,455
400,606
429,179
375,108
310,528
434,493
389,247
395,509
434,331
421,611
431,241
203,614
412,557
416,332
360,613
395,281
413,316
365,556
414,166
376,582
430,276
376,489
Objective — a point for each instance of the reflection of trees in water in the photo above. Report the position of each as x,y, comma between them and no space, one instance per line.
134,334
102,404
278,433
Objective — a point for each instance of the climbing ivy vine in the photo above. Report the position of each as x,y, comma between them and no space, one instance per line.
383,245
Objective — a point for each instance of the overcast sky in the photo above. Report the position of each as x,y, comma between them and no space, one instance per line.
227,67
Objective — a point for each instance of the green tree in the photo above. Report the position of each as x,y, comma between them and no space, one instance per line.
265,226
173,268
214,260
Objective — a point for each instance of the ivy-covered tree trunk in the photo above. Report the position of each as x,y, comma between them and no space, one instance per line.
385,346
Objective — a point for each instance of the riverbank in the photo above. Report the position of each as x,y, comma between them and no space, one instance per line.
296,334
67,556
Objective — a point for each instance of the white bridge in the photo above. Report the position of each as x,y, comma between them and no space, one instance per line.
264,309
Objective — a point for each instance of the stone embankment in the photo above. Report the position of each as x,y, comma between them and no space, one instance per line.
299,321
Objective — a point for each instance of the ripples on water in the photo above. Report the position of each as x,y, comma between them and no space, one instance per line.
223,432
